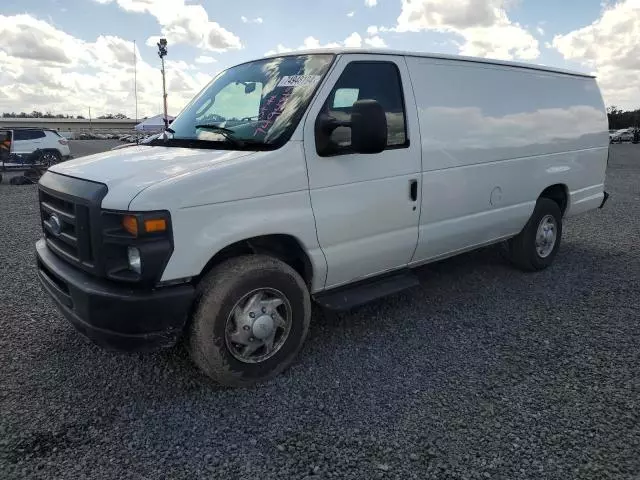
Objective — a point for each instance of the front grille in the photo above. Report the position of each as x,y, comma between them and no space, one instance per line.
69,208
64,240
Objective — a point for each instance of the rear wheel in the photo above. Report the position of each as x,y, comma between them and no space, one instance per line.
537,245
251,317
50,157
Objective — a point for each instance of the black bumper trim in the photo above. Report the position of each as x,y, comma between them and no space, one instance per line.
114,316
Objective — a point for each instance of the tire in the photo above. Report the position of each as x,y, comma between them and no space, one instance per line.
522,249
51,157
222,292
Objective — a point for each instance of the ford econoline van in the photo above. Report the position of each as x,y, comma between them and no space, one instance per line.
320,176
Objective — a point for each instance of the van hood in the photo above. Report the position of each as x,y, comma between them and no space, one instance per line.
128,171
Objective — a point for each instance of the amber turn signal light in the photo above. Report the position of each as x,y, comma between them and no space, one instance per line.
130,224
155,225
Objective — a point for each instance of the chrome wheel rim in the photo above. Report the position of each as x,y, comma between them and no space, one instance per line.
546,236
48,159
258,325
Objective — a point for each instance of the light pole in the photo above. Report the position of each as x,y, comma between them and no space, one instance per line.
162,52
135,82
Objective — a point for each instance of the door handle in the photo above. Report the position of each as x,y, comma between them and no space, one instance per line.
413,190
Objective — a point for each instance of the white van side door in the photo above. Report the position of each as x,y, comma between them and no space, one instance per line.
366,206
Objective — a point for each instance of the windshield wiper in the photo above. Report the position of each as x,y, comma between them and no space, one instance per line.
225,132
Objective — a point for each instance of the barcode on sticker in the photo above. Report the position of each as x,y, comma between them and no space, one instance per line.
299,80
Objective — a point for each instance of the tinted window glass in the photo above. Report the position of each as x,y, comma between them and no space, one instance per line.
20,135
378,81
28,134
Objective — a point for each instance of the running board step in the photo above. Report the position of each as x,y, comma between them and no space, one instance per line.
344,298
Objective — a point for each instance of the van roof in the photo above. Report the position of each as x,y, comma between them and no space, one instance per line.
386,51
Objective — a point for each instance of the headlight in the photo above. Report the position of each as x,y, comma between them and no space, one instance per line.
135,262
136,246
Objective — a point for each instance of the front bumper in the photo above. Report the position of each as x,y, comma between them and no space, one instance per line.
111,315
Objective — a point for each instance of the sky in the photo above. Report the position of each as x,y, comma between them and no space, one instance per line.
69,56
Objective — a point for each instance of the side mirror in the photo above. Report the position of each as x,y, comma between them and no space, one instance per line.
368,127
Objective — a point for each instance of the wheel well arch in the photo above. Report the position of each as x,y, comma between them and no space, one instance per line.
282,246
559,193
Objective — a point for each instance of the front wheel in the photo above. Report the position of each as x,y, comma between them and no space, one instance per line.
537,245
251,317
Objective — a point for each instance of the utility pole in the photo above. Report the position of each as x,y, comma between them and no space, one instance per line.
135,82
162,52
90,125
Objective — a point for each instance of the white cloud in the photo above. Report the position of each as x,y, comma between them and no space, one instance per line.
64,74
26,37
370,3
372,30
375,42
204,59
353,41
183,23
610,46
312,43
251,20
483,24
351,14
540,31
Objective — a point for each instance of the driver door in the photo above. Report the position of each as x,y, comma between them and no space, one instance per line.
366,206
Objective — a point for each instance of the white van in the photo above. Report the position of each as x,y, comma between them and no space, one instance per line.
319,176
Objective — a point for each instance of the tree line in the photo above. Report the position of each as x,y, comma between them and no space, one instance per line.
619,119
36,114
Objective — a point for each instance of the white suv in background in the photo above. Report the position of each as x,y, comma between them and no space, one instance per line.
54,147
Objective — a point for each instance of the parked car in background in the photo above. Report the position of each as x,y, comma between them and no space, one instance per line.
623,135
26,140
141,141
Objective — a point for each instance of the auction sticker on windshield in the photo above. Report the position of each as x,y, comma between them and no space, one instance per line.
299,80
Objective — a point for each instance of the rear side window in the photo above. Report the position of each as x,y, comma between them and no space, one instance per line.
28,134
19,135
378,81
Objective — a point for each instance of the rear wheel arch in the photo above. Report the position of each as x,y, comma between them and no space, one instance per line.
559,193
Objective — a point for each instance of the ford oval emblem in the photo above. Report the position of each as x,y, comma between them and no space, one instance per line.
56,226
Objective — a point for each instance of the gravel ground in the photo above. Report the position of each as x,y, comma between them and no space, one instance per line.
482,372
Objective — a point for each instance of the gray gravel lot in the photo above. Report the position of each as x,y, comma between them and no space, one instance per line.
482,372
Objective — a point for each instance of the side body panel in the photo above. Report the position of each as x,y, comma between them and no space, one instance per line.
259,194
493,138
366,221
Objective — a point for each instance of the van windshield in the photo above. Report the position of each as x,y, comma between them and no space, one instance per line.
253,106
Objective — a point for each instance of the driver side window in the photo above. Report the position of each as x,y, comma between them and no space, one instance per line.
235,103
378,81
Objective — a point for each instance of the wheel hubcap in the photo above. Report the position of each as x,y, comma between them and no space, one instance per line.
546,236
258,325
48,159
